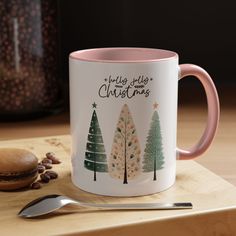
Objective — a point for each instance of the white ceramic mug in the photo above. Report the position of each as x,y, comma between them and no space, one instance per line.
123,106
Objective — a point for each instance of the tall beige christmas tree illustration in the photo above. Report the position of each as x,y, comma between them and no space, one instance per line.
124,162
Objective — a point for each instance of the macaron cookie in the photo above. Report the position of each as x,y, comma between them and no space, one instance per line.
18,168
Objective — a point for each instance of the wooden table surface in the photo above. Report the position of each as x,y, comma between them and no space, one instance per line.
215,206
213,199
220,158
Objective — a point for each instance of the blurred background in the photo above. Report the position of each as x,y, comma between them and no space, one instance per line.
37,36
201,32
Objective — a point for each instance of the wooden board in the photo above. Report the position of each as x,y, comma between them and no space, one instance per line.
214,201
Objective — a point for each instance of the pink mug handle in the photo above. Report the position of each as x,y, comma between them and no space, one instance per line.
213,111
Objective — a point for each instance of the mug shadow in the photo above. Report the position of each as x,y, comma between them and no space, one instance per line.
67,188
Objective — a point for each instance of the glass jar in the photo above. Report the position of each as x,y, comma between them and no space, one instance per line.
29,73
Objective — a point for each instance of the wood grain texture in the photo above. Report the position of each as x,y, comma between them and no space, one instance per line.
220,158
213,198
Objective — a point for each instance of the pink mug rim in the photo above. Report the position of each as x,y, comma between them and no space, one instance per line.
123,55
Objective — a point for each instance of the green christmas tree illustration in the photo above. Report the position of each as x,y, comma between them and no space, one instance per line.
95,156
124,161
153,153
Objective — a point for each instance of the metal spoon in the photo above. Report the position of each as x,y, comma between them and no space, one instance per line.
50,203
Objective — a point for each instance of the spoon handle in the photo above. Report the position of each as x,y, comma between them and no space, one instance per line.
140,206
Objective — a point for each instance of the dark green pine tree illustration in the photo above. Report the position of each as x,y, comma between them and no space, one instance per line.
153,153
95,156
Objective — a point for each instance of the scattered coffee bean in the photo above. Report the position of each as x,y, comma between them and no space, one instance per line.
41,168
46,160
52,174
35,185
56,161
51,156
47,165
45,178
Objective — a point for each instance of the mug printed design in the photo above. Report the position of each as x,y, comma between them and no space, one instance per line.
95,155
122,87
153,159
125,159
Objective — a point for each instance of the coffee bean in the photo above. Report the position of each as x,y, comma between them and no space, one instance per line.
47,165
45,178
52,174
41,168
50,155
35,185
56,161
46,160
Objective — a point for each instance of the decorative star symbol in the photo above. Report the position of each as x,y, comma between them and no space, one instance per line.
155,105
94,105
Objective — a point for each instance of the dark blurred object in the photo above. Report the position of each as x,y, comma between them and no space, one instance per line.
201,32
30,83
